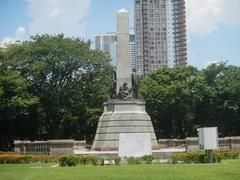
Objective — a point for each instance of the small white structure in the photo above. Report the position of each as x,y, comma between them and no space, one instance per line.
134,144
208,138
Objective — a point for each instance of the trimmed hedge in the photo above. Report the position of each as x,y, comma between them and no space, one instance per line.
68,161
9,158
7,153
197,157
94,160
201,157
134,160
147,159
228,154
73,160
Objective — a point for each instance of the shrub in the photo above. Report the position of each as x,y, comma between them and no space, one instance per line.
68,161
228,154
148,159
63,161
117,160
218,158
8,153
82,160
94,160
10,158
195,157
134,160
183,157
202,158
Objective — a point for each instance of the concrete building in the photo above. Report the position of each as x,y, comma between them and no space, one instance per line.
160,34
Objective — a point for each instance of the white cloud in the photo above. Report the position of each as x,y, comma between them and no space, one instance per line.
205,16
5,41
211,62
58,16
20,35
55,12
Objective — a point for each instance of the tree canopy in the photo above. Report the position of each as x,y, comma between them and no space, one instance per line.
54,87
60,81
182,99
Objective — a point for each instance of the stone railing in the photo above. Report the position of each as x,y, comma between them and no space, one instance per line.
70,146
52,147
191,143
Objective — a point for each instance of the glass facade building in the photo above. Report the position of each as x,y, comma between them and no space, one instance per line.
108,44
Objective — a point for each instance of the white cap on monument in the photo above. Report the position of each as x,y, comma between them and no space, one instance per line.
122,10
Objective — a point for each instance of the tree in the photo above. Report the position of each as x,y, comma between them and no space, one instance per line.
171,96
222,108
70,80
54,87
15,103
182,99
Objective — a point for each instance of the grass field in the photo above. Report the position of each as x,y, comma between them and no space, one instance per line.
228,169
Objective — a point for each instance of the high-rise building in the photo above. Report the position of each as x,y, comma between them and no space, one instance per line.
160,34
108,44
132,48
179,32
113,53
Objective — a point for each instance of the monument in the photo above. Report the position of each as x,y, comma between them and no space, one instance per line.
124,121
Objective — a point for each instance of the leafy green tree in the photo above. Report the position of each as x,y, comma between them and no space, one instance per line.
15,103
181,99
171,96
222,109
206,110
54,87
70,80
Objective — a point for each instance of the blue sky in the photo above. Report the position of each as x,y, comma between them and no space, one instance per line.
213,26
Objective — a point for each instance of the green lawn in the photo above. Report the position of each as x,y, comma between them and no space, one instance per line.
228,169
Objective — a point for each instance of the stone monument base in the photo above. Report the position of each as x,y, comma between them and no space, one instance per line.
119,116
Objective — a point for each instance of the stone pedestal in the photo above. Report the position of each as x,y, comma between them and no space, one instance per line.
122,117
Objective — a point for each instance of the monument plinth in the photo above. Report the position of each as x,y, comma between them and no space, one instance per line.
122,117
125,117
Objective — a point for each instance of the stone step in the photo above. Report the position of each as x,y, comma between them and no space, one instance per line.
129,129
114,136
120,123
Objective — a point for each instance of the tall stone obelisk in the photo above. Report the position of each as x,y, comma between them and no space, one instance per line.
123,50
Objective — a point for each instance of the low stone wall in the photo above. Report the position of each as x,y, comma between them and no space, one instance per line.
52,147
191,143
70,146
